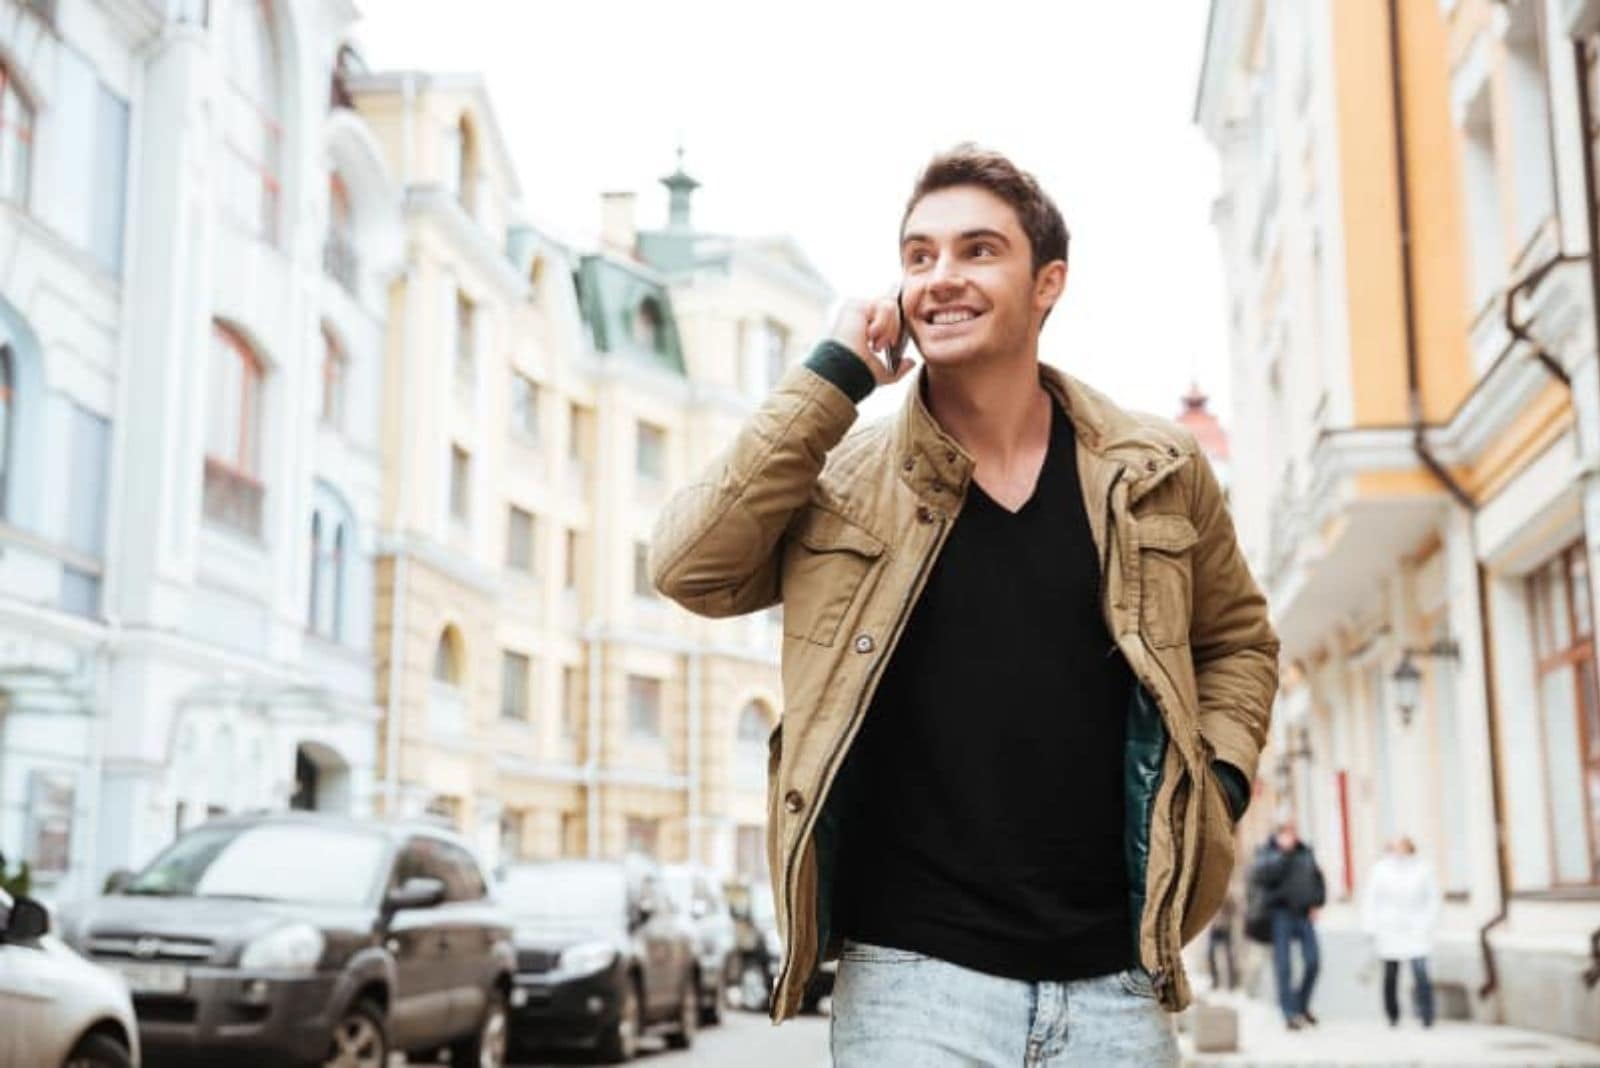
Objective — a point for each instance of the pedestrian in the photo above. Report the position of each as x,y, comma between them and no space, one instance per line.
1400,906
1219,942
1287,876
1027,673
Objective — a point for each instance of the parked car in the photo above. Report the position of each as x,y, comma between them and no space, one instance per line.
304,938
700,901
759,951
56,1009
601,958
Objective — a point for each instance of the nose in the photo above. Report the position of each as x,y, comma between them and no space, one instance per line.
943,279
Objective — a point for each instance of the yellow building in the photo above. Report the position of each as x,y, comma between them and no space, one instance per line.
540,402
1404,223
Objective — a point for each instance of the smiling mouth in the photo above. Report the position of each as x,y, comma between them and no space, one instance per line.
950,317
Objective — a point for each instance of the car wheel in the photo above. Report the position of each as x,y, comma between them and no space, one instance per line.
682,1036
621,1043
753,991
359,1039
99,1051
487,1047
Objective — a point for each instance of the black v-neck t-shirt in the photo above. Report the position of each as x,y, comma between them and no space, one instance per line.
986,822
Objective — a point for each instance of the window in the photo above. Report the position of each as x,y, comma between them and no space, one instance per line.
764,352
1529,126
754,725
339,257
642,586
16,138
433,858
644,706
330,539
647,325
1487,261
335,369
643,836
1569,710
460,483
750,757
253,130
447,658
8,419
569,575
775,351
650,455
461,163
515,669
89,189
524,406
233,491
466,355
571,695
511,838
519,540
86,509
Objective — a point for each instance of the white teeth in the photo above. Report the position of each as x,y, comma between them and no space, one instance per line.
942,318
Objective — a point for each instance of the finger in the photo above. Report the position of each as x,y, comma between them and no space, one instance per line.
907,365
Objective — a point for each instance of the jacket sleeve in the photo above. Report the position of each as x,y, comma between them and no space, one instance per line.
716,547
1234,647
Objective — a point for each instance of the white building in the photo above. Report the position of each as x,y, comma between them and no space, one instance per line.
196,240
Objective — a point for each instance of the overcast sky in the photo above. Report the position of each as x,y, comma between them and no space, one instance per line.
812,120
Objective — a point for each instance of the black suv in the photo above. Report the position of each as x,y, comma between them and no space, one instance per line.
601,957
307,939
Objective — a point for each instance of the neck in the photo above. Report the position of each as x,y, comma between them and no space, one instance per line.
996,409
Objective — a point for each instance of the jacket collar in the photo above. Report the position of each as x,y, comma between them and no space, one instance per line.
937,468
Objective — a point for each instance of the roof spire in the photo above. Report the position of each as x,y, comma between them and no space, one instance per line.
681,188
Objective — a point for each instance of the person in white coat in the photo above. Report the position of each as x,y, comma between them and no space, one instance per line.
1399,908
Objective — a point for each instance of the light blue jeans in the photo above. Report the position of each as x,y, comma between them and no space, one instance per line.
897,1009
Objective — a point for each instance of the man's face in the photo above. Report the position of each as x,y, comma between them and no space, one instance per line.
967,281
1287,836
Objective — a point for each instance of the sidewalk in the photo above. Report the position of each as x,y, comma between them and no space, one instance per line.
1265,1043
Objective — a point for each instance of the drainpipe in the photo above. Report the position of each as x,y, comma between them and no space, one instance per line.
1582,64
1419,444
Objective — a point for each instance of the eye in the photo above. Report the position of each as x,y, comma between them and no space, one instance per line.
983,248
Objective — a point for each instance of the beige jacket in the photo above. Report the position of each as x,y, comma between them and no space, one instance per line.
842,527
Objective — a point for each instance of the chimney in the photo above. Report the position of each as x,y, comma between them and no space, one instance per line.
617,229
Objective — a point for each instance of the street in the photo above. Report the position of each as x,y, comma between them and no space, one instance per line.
741,1040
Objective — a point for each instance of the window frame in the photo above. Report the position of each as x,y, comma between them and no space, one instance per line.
11,88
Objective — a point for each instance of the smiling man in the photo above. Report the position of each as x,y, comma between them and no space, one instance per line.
1027,674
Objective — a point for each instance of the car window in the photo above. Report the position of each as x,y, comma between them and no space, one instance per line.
582,894
292,862
434,858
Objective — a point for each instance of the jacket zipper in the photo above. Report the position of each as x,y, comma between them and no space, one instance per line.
830,768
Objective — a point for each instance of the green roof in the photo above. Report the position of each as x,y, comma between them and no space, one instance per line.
628,312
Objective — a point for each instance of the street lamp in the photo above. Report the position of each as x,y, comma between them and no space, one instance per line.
1407,678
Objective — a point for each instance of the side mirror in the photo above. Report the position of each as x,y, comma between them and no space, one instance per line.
417,892
29,921
117,881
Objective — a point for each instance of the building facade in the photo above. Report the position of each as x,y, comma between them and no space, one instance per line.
1406,222
543,401
199,235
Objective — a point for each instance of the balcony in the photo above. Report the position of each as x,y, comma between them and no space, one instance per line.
232,498
340,262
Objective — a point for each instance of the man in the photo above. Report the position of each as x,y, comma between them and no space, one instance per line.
1026,672
1287,875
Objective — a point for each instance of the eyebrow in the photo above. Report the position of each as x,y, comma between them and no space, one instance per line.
966,235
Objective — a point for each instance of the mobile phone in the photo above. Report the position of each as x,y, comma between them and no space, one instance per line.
894,353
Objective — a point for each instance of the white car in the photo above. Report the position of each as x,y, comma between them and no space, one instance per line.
56,1009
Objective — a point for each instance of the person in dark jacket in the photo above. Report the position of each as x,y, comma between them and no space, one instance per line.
1286,872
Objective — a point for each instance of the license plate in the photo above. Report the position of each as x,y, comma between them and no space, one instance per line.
153,978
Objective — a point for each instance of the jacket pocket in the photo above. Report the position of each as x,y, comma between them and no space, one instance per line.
1166,576
825,567
1213,859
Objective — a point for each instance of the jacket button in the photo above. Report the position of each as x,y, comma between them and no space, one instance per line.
924,514
864,644
1149,465
1172,450
909,464
793,802
950,456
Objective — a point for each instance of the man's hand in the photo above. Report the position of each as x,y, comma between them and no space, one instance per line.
868,328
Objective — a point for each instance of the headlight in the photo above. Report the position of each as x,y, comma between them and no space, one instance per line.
586,958
774,944
295,948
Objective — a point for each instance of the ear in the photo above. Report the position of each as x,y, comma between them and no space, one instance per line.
1048,285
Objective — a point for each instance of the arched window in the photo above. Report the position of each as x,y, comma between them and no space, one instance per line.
339,257
8,401
16,138
447,658
335,370
750,756
331,538
233,490
254,131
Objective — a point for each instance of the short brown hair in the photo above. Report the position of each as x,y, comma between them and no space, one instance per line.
968,164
